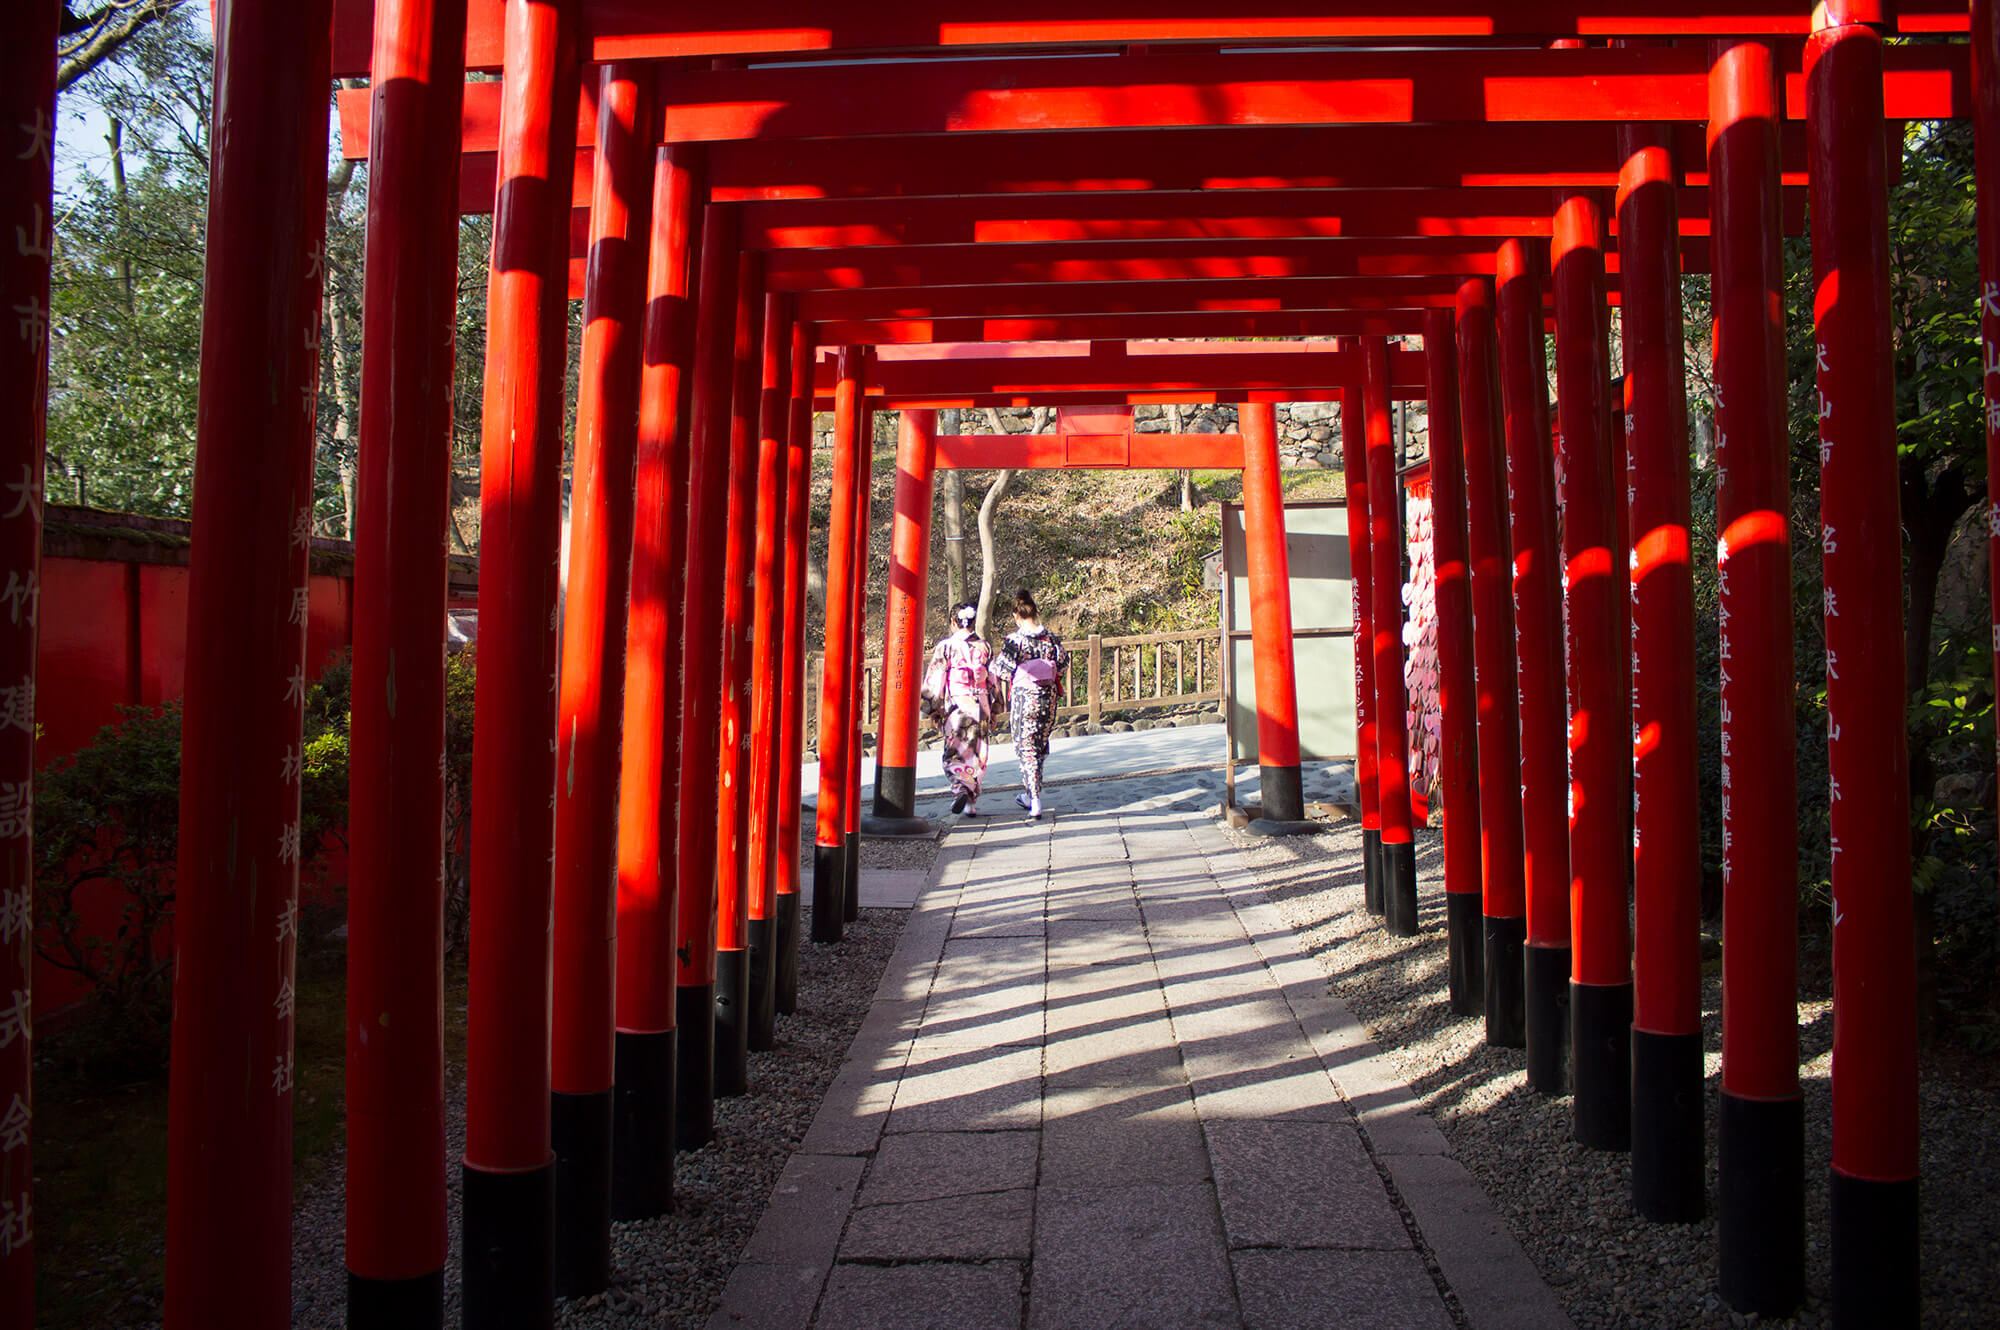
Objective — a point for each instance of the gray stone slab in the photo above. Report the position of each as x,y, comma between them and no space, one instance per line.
1301,1184
1147,1136
889,1020
924,1166
976,921
922,1297
770,1297
1103,997
1496,1283
1192,919
1209,960
1231,1020
1352,1290
1395,1121
1296,1091
1101,906
1130,1258
891,888
957,1089
1084,942
856,1107
979,1227
1135,1053
801,1224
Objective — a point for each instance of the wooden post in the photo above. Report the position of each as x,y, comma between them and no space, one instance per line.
1096,703
229,1143
27,165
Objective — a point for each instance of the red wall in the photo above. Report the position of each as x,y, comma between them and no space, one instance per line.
115,634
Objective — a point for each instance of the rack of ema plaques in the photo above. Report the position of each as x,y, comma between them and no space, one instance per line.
1322,587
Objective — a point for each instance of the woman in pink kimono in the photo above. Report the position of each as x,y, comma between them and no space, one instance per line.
956,695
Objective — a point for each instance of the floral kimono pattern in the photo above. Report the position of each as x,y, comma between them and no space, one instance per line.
957,695
1031,661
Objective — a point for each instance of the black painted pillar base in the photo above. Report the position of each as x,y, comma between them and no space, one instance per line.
763,936
1371,870
1668,1140
1465,952
1761,1217
1506,998
785,988
1281,792
1399,887
732,1023
694,1067
829,891
1875,1281
1600,1021
895,792
642,1124
396,1304
507,1248
1545,972
580,1131
850,867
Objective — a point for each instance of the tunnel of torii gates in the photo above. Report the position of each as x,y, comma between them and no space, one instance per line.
768,213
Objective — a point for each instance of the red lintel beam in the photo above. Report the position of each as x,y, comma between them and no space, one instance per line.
1266,214
1147,260
635,29
1113,452
1173,90
1130,298
1103,367
1177,92
1087,327
1131,161
1555,155
1103,219
1106,398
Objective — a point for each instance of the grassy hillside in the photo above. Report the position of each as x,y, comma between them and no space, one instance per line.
1105,552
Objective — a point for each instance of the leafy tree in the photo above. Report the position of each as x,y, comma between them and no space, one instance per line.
125,298
88,34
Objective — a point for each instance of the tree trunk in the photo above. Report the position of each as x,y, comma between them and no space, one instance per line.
115,137
346,404
954,519
1190,498
1931,509
996,493
346,410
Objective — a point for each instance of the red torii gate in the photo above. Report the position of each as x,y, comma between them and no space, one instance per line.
708,390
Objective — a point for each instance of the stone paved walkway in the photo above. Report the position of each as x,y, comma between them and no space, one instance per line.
1101,1087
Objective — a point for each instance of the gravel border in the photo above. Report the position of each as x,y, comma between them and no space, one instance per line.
668,1272
1569,1207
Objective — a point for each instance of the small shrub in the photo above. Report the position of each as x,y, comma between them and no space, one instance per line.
110,813
107,820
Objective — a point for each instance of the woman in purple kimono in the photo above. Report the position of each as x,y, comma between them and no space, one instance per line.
1030,663
957,696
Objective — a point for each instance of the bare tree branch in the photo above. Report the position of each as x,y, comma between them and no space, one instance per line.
92,37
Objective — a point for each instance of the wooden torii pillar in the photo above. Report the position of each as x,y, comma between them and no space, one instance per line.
509,1173
646,1033
903,646
396,1243
1280,790
27,215
229,1145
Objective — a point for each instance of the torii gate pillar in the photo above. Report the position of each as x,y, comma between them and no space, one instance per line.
1279,788
903,629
